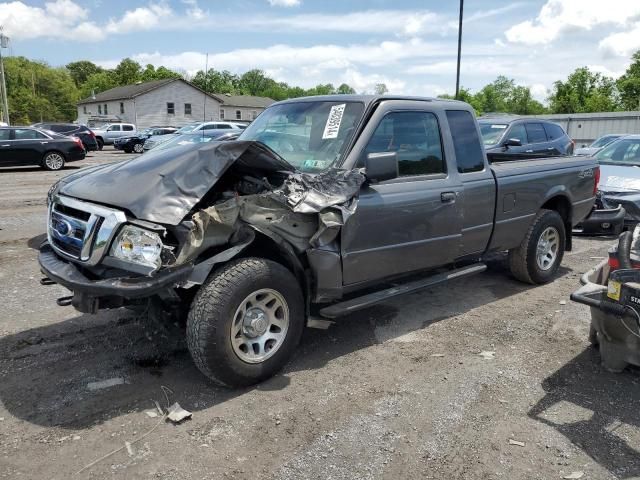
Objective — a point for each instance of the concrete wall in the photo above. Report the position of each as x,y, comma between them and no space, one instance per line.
584,128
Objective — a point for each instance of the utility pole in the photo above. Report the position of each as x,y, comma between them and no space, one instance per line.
459,49
4,43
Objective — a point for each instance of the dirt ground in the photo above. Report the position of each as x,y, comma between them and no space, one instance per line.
399,391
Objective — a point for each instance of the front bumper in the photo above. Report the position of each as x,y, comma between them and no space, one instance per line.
91,295
608,221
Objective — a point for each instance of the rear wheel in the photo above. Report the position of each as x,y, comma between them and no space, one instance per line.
245,322
138,148
538,257
53,161
100,143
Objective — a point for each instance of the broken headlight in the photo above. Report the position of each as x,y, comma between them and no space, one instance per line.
137,245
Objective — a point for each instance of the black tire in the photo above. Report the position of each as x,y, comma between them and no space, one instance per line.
138,148
53,161
210,320
100,143
522,260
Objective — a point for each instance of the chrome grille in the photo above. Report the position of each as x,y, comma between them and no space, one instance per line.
81,231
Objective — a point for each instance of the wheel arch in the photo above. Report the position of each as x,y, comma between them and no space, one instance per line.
561,204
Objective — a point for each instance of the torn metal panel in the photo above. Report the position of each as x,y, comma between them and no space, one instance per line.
306,193
164,186
267,213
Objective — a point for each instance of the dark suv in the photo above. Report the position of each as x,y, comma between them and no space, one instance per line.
512,134
71,129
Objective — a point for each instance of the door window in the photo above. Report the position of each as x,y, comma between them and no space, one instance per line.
553,130
466,142
127,128
114,128
27,134
5,134
415,137
518,131
536,133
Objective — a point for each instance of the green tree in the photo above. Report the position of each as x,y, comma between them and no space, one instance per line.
345,89
380,89
629,85
82,70
38,92
254,82
584,91
98,82
127,72
215,81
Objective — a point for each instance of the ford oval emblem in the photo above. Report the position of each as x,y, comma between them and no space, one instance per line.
63,227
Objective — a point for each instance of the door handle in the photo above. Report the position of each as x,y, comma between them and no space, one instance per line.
528,151
448,197
5,145
43,143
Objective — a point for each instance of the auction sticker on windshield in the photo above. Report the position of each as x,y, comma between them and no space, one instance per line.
333,122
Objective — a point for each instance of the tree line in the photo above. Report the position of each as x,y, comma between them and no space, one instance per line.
40,92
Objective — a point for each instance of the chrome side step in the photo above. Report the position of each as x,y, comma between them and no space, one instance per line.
346,307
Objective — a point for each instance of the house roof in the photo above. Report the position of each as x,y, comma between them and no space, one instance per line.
127,91
243,100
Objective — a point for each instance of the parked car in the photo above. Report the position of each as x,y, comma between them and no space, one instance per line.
192,128
71,129
517,135
251,236
203,136
135,143
618,200
598,145
34,146
108,133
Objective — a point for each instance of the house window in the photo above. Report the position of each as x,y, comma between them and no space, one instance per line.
121,107
187,109
238,115
105,109
171,108
221,114
99,109
254,114
84,109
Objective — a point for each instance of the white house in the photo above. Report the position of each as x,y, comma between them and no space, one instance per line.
173,102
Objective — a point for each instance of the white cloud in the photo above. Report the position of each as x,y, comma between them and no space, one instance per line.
142,18
57,18
284,3
622,43
559,16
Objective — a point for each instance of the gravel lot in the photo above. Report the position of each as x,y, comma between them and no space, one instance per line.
399,391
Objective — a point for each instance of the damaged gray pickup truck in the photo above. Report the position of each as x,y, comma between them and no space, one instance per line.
323,206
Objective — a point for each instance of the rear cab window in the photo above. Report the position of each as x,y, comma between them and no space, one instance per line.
466,142
127,128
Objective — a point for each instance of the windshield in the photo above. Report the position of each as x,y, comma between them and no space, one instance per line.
625,151
188,128
492,132
602,141
311,136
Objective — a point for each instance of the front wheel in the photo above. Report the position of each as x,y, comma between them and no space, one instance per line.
53,161
100,143
138,148
538,257
245,322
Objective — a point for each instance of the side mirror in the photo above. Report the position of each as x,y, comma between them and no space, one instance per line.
512,142
381,166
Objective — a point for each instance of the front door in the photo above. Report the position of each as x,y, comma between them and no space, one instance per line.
412,222
7,149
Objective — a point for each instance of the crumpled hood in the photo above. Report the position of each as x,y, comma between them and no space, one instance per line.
164,186
617,178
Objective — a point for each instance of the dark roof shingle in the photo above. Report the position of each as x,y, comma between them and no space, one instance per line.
126,91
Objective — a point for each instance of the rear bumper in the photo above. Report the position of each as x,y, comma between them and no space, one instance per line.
602,222
75,155
91,295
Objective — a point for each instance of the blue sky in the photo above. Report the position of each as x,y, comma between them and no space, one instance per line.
410,45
